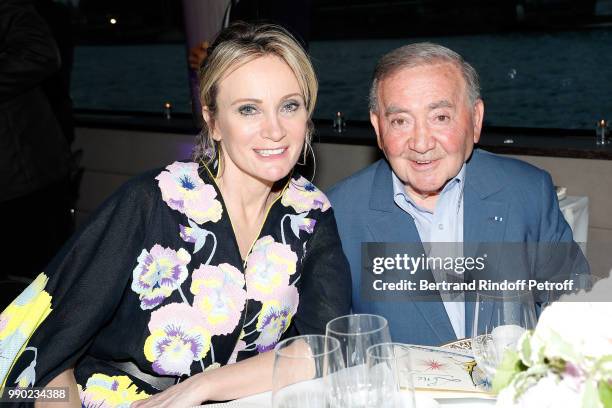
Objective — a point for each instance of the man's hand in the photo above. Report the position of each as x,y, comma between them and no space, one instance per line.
186,394
197,55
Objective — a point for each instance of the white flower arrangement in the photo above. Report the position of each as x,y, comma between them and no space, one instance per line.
567,360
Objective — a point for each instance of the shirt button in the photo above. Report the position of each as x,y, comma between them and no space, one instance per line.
441,226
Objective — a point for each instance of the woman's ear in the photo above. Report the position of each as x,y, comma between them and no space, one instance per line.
208,117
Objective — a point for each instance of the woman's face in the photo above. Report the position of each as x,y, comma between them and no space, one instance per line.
261,121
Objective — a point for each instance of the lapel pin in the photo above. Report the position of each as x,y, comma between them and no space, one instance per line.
497,218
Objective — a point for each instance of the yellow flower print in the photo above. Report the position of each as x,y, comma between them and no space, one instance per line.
104,391
19,321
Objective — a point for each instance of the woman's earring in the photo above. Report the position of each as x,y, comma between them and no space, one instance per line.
307,147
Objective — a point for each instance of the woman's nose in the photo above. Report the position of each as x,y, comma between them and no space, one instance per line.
273,129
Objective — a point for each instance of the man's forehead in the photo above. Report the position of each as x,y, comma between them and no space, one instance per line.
433,68
429,76
391,108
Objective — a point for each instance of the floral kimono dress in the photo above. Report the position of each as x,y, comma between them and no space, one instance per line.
154,288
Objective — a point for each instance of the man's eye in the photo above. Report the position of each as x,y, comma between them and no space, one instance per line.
290,107
247,110
442,118
398,122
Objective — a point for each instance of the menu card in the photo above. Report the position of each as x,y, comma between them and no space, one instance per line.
447,373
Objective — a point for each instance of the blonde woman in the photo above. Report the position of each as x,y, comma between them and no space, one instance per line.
179,288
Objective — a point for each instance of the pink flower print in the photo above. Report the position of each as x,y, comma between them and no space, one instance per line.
275,318
178,338
219,296
303,196
158,273
269,266
183,190
241,345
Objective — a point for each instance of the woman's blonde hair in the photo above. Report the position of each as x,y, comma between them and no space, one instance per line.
237,45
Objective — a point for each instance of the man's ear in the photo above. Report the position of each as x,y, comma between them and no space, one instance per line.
375,121
477,117
210,123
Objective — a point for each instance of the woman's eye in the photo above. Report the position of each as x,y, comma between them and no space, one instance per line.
247,110
290,107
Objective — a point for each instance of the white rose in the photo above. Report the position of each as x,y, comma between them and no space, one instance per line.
549,392
572,330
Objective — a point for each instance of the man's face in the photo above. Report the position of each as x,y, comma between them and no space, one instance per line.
426,126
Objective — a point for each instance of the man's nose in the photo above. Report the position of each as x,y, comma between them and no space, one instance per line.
273,128
422,141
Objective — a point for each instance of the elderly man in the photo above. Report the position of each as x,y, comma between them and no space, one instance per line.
433,186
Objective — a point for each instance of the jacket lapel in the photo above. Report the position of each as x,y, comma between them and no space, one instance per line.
484,220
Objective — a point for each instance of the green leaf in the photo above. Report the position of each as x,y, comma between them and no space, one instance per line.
605,393
590,398
509,367
524,348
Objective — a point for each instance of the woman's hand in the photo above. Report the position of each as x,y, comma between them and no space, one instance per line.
186,394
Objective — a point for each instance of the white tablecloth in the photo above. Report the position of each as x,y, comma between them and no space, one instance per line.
575,209
264,400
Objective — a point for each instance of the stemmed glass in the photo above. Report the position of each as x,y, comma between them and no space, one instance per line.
301,367
500,319
580,282
390,376
356,334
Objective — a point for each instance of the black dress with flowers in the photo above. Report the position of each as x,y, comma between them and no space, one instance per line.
156,280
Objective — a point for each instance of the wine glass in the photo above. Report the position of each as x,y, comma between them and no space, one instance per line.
356,334
500,319
390,375
580,282
301,365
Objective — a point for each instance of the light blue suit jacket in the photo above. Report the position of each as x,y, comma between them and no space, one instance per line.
496,188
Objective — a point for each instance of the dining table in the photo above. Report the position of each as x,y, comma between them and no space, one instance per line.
422,400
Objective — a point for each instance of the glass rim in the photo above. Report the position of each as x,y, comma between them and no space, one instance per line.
394,344
328,329
336,345
509,295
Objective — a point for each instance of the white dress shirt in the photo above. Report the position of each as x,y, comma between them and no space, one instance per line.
443,225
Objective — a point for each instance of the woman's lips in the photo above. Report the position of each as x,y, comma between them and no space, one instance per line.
271,153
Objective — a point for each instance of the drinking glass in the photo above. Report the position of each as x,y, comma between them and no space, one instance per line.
390,375
500,319
301,365
581,282
356,334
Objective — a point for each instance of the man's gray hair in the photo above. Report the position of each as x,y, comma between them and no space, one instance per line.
419,54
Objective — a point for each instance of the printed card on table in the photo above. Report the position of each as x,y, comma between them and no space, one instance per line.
452,372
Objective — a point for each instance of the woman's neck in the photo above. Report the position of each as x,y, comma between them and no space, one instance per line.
247,196
247,200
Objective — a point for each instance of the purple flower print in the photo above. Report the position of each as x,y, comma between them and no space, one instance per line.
178,338
159,272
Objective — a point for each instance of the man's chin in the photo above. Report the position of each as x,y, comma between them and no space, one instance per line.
425,191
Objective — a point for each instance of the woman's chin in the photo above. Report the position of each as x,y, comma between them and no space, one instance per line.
273,175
